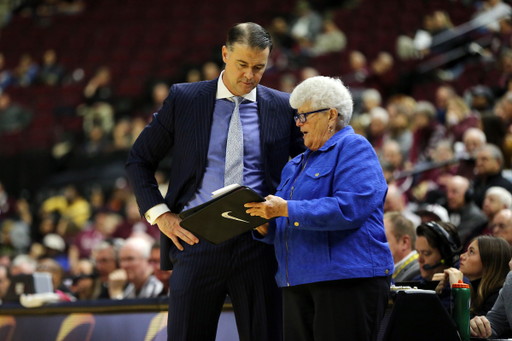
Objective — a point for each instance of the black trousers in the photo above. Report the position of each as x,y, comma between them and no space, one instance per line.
348,309
202,276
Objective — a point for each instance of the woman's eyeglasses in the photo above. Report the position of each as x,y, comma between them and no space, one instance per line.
302,117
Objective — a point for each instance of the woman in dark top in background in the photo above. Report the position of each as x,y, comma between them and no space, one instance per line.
485,264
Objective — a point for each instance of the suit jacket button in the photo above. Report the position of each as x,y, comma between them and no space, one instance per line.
296,224
387,271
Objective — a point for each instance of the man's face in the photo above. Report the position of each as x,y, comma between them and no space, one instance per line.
154,260
492,205
455,195
393,244
244,68
486,164
502,226
472,143
133,263
105,263
4,282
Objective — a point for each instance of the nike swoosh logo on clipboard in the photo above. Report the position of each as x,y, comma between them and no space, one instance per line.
227,216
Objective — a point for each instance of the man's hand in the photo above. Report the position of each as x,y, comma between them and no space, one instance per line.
116,282
263,229
169,224
480,327
273,207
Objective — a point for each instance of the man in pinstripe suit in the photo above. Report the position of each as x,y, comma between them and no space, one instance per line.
195,121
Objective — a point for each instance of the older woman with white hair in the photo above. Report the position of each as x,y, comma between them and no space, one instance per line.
334,260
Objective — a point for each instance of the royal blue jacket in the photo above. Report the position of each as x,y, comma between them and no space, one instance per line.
334,228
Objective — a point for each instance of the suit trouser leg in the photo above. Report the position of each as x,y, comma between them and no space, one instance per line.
256,298
202,276
197,292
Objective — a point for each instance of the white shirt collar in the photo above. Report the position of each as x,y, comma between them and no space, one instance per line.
223,92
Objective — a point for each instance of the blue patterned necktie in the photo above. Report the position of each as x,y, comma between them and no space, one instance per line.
234,171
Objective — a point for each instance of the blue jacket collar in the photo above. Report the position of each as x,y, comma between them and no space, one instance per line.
333,140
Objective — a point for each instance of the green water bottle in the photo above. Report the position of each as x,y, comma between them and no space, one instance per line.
461,302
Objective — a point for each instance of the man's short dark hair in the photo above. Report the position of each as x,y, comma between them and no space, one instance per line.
249,34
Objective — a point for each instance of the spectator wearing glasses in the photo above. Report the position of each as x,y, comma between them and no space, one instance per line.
162,275
335,265
135,278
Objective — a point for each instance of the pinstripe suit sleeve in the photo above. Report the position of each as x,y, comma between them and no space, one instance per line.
152,145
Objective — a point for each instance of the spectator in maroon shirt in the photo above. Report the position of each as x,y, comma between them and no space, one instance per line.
459,118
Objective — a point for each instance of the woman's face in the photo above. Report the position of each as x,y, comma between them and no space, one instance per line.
428,255
471,263
316,127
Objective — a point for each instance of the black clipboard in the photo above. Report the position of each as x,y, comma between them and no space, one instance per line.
223,217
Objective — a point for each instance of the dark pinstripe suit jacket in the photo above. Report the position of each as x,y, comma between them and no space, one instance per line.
184,122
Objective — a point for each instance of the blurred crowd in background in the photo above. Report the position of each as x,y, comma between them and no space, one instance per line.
432,87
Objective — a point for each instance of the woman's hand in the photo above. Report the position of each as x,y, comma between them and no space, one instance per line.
480,327
452,275
273,207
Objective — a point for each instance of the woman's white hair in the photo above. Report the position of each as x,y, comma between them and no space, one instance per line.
502,193
324,92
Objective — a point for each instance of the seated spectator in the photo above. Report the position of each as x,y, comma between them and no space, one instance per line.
496,199
162,275
86,282
459,118
382,75
378,128
23,265
399,128
502,225
498,321
438,246
480,98
330,40
371,99
489,163
121,136
106,260
443,94
473,140
427,132
99,100
464,214
134,224
396,202
26,72
13,117
401,236
287,82
100,229
307,25
4,281
53,268
491,12
210,72
50,73
485,264
55,248
432,212
158,95
73,208
14,237
135,279
432,183
193,75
